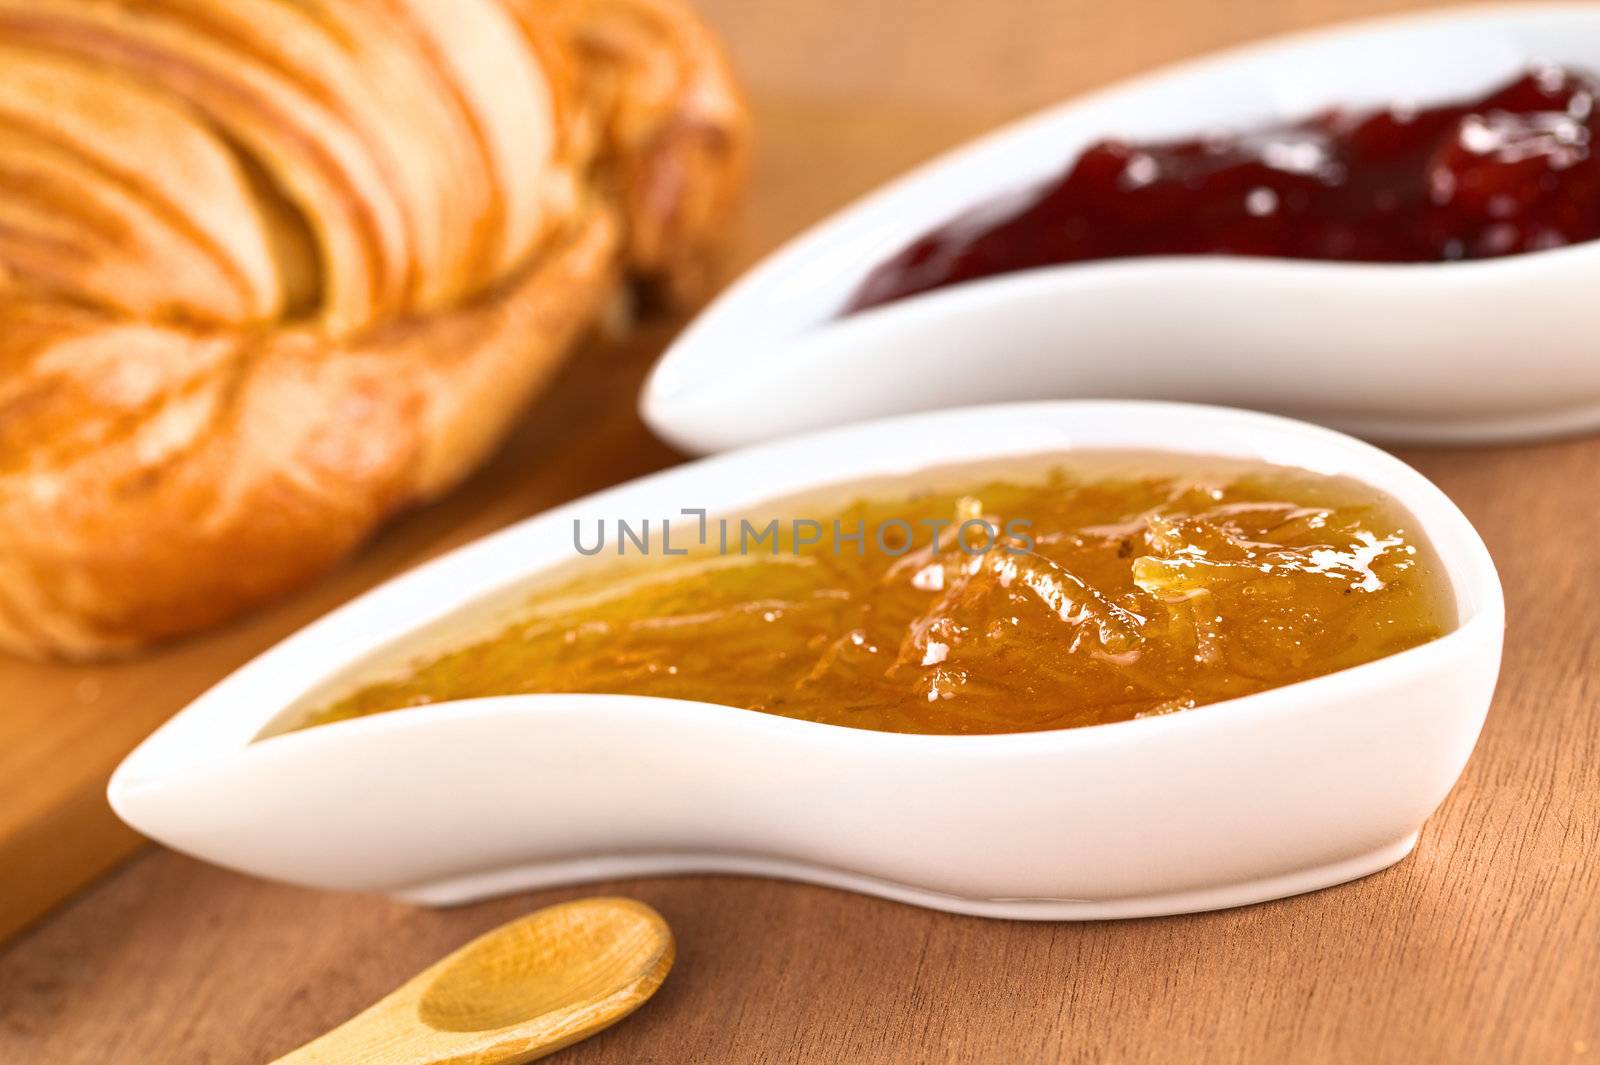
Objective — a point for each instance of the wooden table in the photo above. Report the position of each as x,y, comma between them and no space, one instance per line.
1482,947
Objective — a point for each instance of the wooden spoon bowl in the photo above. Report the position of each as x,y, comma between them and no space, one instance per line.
518,993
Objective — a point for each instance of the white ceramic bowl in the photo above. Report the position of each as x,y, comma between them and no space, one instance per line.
1269,795
1455,352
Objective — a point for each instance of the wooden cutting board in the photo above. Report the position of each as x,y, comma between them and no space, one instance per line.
1479,948
954,68
64,728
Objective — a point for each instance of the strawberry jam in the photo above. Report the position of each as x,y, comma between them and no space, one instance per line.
1513,172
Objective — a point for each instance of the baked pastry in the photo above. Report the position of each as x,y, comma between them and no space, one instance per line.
272,270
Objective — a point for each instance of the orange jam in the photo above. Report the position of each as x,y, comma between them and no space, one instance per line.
1042,594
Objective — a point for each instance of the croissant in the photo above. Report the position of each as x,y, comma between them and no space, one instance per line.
273,270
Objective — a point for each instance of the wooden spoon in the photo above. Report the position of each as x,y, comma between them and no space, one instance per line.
525,990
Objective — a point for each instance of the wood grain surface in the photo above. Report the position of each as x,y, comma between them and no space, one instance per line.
1484,946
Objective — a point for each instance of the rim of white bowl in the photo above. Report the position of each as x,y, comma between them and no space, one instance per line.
1466,561
700,341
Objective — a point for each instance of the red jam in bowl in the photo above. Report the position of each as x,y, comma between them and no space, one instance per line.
1512,172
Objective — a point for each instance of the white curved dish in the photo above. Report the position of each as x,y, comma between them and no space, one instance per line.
1460,352
1281,792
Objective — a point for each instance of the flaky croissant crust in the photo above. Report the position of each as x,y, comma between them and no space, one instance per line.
271,270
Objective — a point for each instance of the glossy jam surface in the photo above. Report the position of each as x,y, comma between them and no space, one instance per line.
1512,172
1116,585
